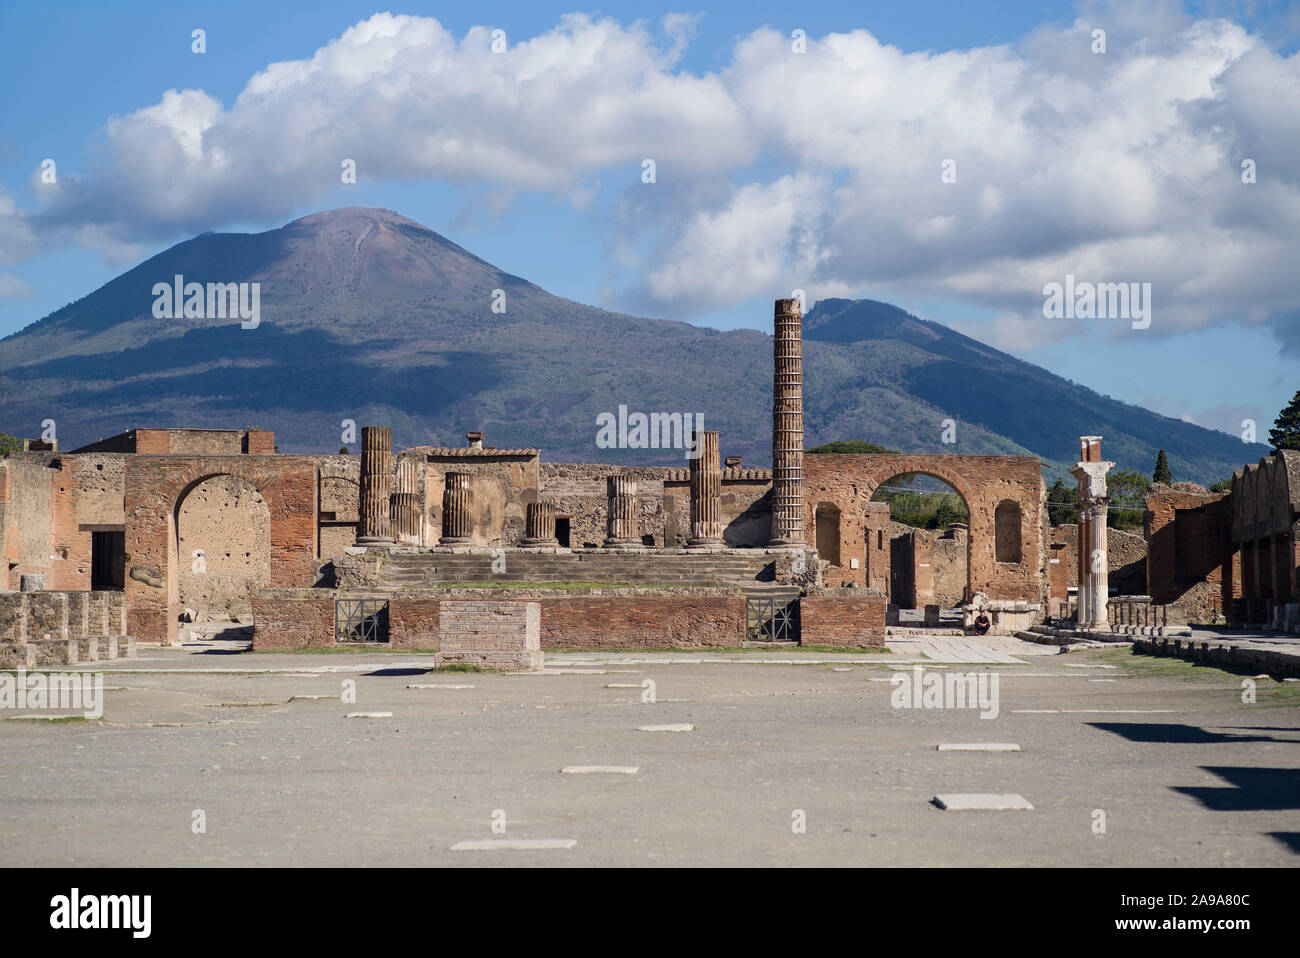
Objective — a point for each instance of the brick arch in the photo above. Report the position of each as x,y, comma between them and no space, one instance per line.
850,480
155,487
224,587
923,466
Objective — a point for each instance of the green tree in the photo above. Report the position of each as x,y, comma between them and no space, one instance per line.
343,451
1285,433
1126,488
9,444
855,446
1223,485
948,513
1162,473
1062,504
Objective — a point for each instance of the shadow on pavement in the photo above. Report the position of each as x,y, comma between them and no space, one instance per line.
1174,734
1252,789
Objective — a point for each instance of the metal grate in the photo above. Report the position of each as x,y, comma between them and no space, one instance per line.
360,620
765,621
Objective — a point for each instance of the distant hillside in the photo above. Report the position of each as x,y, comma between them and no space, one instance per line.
367,315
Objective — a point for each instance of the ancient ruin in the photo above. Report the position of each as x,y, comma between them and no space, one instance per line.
492,555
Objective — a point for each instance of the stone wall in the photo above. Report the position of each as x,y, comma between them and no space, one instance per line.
578,492
340,503
746,505
227,522
500,487
50,506
848,618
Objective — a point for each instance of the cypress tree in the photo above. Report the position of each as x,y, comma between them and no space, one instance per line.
1162,473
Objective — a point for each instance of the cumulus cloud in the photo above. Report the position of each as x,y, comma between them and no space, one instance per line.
822,170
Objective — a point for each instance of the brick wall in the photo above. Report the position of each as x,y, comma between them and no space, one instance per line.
643,622
413,622
849,481
286,619
842,619
154,487
497,635
1191,561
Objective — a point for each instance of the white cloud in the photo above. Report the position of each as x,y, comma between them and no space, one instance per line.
13,287
819,170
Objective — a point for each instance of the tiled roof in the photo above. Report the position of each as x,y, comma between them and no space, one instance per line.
728,475
466,452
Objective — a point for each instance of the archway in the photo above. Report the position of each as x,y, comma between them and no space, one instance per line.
222,529
929,542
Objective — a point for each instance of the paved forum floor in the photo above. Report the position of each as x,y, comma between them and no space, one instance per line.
1183,772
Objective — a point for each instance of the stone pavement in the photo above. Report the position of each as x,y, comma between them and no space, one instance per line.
1166,755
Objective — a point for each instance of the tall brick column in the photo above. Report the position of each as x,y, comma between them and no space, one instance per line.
624,523
1094,562
376,485
457,523
406,499
539,525
787,425
706,494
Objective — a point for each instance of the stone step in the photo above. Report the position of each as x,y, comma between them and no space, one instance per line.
433,569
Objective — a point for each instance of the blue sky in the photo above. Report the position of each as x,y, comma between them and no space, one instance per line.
1076,165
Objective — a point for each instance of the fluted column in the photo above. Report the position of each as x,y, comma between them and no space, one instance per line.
706,494
406,499
787,425
457,522
376,485
539,525
1094,563
624,522
1099,580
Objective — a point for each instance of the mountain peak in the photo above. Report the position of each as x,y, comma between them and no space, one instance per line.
351,217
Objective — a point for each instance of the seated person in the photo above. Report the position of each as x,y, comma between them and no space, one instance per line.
982,623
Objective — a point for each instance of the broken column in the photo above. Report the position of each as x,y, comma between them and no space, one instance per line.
376,486
457,524
1094,563
624,525
406,500
787,425
706,493
539,525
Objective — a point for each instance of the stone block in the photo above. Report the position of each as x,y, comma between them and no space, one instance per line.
13,616
494,635
47,615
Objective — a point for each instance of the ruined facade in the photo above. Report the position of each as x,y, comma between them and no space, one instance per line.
218,524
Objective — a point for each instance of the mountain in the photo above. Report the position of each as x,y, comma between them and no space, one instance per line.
369,316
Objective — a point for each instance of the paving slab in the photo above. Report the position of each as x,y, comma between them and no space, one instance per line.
981,801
